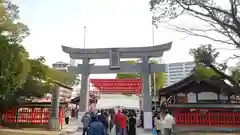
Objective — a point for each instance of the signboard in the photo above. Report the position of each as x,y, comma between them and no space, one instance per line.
127,86
114,58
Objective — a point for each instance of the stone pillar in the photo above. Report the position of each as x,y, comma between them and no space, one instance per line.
147,98
83,103
54,112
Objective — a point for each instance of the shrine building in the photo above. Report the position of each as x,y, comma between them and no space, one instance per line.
203,105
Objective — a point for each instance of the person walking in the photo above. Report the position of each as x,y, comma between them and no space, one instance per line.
168,123
103,120
117,121
95,127
154,117
67,115
141,119
131,124
158,124
86,119
122,124
110,120
107,116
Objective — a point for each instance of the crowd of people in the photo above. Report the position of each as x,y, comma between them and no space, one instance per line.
120,122
123,122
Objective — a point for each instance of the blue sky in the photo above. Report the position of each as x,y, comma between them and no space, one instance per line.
110,23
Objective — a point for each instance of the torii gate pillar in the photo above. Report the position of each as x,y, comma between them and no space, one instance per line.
114,55
84,93
147,98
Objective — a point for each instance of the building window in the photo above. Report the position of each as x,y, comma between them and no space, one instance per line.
175,64
177,74
175,68
175,71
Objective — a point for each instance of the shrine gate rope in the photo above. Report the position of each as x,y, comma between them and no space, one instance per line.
115,86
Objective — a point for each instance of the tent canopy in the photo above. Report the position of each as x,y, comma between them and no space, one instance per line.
113,101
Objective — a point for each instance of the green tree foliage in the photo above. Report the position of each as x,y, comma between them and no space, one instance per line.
14,67
22,78
9,21
66,78
217,17
14,63
128,76
207,67
39,80
236,75
159,76
44,72
202,72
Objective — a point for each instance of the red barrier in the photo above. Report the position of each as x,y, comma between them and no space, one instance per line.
30,115
217,119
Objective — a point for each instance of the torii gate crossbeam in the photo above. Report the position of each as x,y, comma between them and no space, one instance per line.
114,55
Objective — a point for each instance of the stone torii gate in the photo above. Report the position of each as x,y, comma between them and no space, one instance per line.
114,55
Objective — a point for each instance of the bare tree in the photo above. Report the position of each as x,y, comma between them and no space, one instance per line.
219,19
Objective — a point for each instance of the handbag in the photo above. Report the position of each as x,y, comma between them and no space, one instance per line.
154,132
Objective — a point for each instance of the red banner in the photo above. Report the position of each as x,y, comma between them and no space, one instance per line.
133,86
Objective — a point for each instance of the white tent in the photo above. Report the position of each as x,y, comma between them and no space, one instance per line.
111,101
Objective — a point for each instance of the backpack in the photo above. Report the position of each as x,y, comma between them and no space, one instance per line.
89,130
92,130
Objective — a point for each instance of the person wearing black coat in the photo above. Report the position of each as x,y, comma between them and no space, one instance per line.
103,120
141,118
131,124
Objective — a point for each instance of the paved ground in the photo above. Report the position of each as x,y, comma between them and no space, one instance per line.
139,132
72,129
27,132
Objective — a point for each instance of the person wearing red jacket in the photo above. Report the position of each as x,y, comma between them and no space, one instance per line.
122,124
117,121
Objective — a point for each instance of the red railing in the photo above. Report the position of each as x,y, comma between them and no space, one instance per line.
217,119
30,115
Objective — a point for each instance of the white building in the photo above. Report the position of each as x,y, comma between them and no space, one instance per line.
61,66
175,72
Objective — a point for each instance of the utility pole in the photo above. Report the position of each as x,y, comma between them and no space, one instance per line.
154,74
84,40
90,106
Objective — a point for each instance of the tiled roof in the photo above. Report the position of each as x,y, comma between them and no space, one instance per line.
60,62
